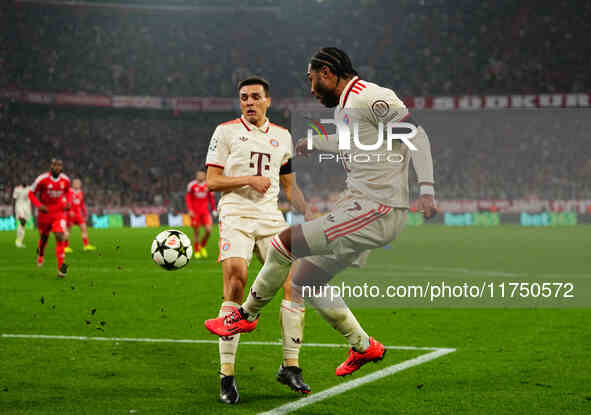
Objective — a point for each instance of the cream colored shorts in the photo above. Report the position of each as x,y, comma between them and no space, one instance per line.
240,236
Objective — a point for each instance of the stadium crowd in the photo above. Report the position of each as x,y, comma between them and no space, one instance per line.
426,47
136,158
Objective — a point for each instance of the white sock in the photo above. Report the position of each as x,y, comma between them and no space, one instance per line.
20,233
228,345
292,328
334,310
270,278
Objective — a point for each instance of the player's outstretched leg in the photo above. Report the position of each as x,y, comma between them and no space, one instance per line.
335,311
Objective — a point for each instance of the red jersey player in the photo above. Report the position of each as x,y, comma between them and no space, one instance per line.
50,195
197,199
78,216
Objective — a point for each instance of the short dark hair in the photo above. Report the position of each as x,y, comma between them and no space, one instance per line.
336,60
255,80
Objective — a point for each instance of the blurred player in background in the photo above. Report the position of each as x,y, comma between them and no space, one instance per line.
22,211
370,215
248,159
199,199
77,215
50,194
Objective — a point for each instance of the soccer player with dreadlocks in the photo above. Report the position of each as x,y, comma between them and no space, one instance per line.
371,214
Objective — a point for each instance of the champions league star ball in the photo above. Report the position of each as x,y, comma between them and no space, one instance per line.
171,249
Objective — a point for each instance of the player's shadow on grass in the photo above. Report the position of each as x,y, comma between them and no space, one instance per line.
255,398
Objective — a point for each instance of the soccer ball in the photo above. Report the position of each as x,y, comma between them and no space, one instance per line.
171,249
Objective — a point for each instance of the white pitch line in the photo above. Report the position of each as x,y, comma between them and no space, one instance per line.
344,387
192,341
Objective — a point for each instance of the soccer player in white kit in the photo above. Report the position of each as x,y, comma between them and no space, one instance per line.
247,161
22,211
371,214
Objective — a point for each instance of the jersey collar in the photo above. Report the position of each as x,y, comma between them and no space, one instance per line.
263,128
53,178
347,91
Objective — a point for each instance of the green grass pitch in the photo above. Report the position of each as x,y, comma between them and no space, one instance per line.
507,360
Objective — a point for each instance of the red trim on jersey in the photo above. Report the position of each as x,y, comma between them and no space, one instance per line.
348,91
214,165
405,117
268,128
244,124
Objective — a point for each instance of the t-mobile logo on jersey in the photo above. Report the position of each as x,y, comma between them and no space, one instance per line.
258,159
360,151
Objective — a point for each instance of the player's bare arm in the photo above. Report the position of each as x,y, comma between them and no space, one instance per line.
217,182
294,194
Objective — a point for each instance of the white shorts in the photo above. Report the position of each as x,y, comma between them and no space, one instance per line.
240,236
23,211
344,236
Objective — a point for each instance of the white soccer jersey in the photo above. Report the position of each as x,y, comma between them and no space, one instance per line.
22,203
379,175
242,149
21,195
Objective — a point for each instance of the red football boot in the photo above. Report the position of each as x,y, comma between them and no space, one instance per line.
231,324
374,353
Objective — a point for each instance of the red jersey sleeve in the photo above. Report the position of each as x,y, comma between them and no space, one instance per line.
34,199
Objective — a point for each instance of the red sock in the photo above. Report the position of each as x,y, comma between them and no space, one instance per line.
196,246
67,242
85,241
42,244
60,246
204,240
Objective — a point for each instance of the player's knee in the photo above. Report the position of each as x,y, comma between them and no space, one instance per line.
293,240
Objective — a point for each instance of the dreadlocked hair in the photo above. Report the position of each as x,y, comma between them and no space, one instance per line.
336,60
